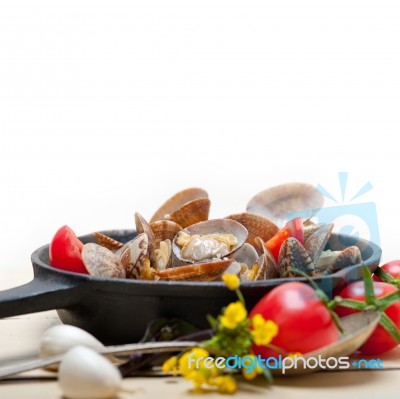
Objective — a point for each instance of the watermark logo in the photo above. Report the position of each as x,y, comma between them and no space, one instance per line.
350,217
250,363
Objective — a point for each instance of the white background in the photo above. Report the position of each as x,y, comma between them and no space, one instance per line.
107,108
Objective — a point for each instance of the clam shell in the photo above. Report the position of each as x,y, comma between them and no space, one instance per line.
316,242
257,226
107,242
208,271
164,230
223,226
192,212
101,262
234,268
246,254
350,256
293,255
310,230
143,227
176,201
287,201
133,254
269,268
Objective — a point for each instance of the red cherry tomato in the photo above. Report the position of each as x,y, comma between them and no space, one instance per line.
380,341
393,268
65,251
304,322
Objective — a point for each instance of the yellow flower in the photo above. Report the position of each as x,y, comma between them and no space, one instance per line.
233,315
263,330
170,366
197,377
189,360
226,384
231,281
253,369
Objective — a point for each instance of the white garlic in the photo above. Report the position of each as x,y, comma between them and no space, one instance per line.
84,374
59,339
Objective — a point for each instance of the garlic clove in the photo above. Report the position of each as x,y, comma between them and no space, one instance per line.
60,339
84,374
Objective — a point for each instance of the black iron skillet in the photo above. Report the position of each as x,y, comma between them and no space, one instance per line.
118,311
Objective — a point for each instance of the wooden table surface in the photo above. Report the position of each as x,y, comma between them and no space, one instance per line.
20,335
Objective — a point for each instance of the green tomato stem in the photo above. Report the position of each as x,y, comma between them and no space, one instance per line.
390,327
368,286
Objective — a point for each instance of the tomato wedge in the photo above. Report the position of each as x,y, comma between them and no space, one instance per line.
65,251
294,228
274,244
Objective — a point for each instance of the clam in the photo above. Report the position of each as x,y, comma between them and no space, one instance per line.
235,268
185,208
133,254
269,268
207,271
293,255
208,240
101,262
326,260
143,227
316,242
350,256
246,254
107,242
287,201
257,226
164,230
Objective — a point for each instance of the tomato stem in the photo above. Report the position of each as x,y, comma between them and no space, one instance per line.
368,286
389,326
240,297
386,277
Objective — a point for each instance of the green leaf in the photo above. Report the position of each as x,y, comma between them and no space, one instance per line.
212,321
368,286
390,327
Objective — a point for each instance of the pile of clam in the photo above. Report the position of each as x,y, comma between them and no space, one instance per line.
179,243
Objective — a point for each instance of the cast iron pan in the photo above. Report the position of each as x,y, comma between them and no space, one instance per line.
118,311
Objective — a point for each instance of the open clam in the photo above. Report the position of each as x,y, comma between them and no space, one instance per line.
287,201
185,208
208,240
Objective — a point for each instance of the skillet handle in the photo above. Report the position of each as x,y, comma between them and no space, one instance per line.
36,296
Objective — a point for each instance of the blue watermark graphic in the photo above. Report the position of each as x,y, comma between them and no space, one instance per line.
350,217
355,219
249,363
